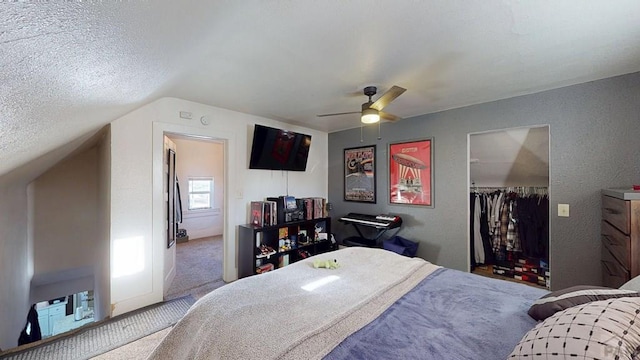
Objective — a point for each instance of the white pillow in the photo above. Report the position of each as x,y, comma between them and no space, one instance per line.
606,329
633,284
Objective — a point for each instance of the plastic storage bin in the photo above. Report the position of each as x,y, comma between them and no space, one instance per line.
400,245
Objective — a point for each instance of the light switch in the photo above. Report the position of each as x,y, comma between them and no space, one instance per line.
563,210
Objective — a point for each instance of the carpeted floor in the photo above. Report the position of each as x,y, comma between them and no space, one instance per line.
100,338
198,268
198,272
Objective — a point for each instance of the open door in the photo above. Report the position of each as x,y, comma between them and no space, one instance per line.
170,184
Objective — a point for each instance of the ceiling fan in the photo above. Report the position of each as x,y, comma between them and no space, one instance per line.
371,112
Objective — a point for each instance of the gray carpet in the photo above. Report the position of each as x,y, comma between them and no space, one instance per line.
198,267
116,332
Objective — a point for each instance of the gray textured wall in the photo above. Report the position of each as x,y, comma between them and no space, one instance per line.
595,143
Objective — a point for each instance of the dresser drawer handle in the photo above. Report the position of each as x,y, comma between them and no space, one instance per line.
610,240
612,211
611,269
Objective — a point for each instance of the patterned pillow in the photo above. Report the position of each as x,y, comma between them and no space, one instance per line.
606,329
572,296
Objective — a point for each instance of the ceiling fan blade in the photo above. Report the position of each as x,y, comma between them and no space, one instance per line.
342,113
388,97
389,117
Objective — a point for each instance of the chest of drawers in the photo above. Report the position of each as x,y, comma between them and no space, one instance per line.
620,234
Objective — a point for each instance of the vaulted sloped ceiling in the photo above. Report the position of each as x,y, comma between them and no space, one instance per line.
510,157
69,68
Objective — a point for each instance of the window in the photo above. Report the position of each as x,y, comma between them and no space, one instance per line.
200,193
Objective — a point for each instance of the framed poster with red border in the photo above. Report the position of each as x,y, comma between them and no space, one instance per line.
411,172
360,174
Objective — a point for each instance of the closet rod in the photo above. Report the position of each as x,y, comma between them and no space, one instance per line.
540,190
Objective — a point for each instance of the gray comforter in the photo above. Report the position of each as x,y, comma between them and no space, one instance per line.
377,305
449,315
297,312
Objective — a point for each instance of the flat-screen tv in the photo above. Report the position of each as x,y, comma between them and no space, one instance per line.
277,149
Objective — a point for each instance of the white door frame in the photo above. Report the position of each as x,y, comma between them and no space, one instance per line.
469,184
158,216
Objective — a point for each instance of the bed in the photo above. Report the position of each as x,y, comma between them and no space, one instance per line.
376,305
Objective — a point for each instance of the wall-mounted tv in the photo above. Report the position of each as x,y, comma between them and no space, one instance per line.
276,149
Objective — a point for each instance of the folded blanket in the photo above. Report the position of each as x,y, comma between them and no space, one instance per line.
294,312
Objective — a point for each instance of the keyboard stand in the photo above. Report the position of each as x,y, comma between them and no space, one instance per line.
364,241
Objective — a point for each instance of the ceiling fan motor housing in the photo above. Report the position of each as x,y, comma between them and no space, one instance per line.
370,91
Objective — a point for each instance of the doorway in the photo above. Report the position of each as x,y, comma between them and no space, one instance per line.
163,265
198,251
509,204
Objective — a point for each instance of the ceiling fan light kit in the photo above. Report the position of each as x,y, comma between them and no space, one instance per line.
370,116
371,112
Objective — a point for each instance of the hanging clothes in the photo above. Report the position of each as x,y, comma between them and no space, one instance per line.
178,204
508,223
484,231
479,253
495,205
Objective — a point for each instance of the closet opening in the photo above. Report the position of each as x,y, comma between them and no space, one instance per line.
509,204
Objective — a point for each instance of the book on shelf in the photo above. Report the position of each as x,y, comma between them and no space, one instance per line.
318,208
308,208
263,213
266,213
258,213
274,212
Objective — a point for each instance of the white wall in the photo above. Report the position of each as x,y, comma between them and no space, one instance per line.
197,158
136,187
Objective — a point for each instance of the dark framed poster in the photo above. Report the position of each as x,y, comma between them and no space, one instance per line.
360,174
411,172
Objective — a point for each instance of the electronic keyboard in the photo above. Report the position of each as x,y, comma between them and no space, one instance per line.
377,221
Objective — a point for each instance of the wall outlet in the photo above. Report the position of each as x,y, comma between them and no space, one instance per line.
563,210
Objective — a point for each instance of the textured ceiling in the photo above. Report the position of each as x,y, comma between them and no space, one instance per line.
71,67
